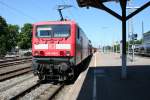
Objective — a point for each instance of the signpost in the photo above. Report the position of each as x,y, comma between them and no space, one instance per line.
133,36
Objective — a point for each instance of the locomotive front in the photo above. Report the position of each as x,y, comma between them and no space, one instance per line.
53,50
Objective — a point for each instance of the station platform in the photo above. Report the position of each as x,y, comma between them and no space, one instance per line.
103,79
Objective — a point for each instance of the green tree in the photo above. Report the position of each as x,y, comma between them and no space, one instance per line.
25,36
138,41
12,36
117,47
3,36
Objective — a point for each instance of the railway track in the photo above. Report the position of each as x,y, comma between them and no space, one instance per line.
4,61
14,68
47,94
27,87
50,92
14,62
5,85
21,94
14,73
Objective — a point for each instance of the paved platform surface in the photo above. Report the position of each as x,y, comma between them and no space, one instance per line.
103,81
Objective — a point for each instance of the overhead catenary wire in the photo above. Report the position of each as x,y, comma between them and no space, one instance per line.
68,10
40,7
75,8
63,2
17,10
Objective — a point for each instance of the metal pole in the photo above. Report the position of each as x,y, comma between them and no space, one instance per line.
124,57
132,30
116,47
128,39
129,3
113,48
142,32
121,49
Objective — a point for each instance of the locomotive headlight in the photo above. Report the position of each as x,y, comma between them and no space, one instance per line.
67,53
36,53
62,53
42,53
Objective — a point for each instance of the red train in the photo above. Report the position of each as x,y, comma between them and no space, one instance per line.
57,48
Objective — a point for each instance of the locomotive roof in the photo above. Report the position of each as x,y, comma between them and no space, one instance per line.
55,22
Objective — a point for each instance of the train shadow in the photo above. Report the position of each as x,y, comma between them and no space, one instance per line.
84,65
79,69
110,86
143,55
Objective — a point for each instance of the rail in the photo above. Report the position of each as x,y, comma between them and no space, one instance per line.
48,94
14,62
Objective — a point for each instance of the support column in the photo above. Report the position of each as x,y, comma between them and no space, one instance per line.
124,56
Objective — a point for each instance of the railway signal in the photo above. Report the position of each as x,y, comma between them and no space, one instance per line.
133,36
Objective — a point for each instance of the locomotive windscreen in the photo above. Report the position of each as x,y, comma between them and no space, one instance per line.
55,31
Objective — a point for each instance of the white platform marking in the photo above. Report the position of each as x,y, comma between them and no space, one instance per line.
95,60
94,84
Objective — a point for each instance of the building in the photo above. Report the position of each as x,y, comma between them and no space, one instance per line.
146,38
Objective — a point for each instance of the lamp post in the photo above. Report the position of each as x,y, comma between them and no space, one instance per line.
17,50
116,47
142,31
130,23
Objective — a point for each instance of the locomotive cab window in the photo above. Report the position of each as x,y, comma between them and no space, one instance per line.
55,31
44,31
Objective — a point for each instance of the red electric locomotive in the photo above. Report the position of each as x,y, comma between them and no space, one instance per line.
57,48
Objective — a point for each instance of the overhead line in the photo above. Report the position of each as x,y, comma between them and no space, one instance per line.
33,1
68,10
20,12
63,1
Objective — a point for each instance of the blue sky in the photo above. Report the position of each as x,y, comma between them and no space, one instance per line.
99,26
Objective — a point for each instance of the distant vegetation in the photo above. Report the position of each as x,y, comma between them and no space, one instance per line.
24,37
136,42
10,37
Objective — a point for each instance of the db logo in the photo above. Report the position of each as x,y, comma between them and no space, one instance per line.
52,46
